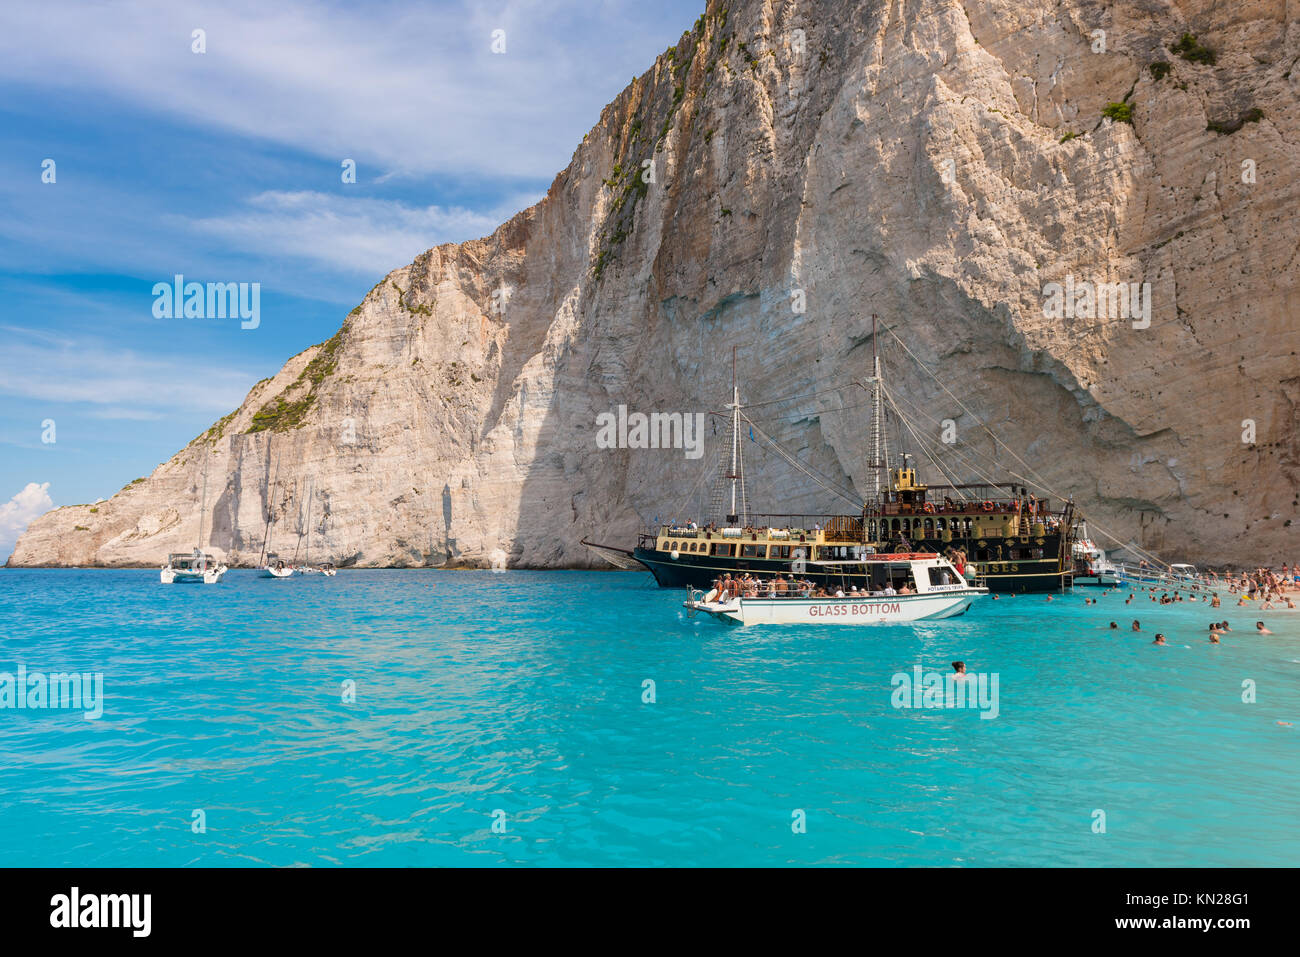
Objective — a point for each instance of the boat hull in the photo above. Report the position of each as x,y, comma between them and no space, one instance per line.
700,571
876,610
171,576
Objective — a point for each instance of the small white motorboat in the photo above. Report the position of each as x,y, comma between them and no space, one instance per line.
911,586
1091,566
275,567
195,567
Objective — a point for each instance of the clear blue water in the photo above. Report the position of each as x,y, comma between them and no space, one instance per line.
522,692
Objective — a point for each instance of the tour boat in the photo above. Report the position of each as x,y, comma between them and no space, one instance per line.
197,566
917,586
1091,566
1018,540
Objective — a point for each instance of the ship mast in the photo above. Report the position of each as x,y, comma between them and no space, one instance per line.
203,507
879,444
735,435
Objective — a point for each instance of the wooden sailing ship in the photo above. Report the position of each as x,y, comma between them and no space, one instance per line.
1000,534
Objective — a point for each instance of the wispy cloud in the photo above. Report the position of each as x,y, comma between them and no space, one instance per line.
117,383
368,236
393,85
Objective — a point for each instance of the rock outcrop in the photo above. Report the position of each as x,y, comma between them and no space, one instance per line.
784,172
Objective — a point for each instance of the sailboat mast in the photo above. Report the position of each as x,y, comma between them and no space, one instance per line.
203,507
735,431
310,488
270,508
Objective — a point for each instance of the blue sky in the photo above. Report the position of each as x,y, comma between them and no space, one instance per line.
226,166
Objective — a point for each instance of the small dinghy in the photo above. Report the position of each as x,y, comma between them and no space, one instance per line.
903,587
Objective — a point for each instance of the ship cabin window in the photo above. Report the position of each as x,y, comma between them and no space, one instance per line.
941,524
907,525
896,526
828,553
881,575
941,576
725,549
753,551
778,551
981,554
929,527
871,530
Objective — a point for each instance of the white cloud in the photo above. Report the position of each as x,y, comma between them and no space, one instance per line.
17,513
365,236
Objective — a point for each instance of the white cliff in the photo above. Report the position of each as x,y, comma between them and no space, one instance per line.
912,159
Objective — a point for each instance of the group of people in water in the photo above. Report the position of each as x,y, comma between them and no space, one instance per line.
728,588
1217,631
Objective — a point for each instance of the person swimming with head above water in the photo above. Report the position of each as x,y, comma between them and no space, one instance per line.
1114,627
1136,626
1160,639
1260,629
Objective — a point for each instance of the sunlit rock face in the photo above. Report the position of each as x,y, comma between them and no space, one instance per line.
784,172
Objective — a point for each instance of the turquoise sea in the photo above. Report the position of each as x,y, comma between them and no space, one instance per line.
517,699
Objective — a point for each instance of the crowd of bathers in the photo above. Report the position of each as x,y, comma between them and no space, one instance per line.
729,587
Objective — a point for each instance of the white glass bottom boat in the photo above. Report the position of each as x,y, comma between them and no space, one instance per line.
905,587
196,566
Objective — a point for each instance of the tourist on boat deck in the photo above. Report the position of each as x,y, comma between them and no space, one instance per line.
889,588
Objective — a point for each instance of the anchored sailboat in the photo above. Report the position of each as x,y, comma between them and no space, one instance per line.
197,566
269,564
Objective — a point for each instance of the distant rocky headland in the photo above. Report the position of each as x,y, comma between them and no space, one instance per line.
779,175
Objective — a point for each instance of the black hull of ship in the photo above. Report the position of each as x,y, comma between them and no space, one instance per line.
700,571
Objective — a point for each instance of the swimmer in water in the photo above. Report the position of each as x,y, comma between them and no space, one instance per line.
1160,639
1113,626
1136,626
960,668
1260,629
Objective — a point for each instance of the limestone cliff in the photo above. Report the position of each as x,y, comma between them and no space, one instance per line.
937,162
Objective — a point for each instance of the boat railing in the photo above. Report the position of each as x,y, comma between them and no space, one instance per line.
1138,574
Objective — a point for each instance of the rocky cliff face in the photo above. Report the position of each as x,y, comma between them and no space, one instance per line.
933,161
